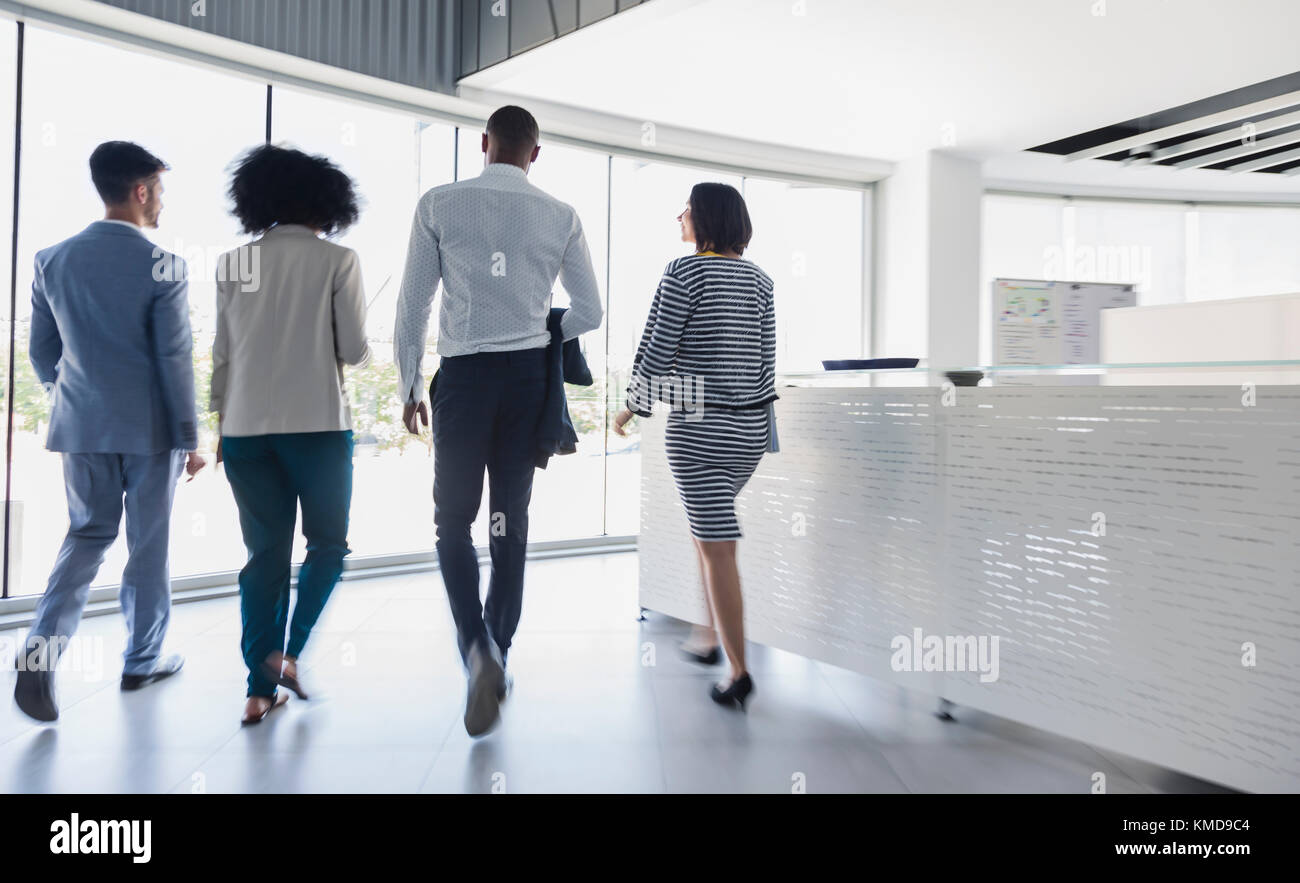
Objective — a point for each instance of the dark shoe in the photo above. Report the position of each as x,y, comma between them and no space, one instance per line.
277,699
34,693
735,694
279,678
710,658
163,668
483,696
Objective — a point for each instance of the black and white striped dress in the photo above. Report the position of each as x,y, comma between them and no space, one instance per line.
709,352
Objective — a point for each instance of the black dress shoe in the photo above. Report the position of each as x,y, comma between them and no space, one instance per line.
34,693
164,668
483,695
735,694
710,658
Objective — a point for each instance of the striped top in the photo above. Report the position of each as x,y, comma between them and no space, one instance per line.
710,338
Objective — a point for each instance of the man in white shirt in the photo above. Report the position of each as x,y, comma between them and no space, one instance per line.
497,244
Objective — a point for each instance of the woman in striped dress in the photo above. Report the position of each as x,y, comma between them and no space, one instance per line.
708,351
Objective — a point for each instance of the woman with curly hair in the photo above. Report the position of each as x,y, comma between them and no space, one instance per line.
290,315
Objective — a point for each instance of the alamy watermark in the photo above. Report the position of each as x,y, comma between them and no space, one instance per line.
242,265
40,653
681,392
921,652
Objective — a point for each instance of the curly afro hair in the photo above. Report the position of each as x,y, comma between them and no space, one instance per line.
279,185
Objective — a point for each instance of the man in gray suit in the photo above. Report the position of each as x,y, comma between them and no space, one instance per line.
110,340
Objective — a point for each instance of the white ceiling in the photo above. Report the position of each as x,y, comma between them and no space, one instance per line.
887,79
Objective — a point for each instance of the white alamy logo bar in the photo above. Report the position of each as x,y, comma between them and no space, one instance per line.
78,836
920,652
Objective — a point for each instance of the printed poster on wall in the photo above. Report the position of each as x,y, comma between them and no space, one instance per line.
1041,322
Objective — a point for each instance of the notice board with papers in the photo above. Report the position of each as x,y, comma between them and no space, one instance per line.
1044,322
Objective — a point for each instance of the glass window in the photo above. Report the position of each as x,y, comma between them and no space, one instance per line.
1242,252
8,78
195,119
645,200
210,117
809,239
1142,243
569,496
393,158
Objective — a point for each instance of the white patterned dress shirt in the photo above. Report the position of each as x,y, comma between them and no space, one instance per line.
497,243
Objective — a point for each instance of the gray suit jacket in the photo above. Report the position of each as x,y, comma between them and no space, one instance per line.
110,336
291,312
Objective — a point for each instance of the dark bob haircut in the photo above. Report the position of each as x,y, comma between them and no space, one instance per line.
720,218
278,185
116,167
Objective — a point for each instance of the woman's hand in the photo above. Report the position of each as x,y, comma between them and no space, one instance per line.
620,422
194,462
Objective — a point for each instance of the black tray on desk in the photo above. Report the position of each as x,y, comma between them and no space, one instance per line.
867,364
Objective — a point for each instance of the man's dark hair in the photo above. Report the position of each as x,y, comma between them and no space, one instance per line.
278,185
720,218
117,167
514,128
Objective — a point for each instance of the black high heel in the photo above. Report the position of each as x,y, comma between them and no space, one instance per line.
736,693
710,658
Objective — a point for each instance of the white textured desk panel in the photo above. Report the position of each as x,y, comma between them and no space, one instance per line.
1135,549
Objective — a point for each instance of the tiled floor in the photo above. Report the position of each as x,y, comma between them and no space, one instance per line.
586,714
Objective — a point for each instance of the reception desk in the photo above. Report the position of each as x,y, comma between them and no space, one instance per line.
1135,551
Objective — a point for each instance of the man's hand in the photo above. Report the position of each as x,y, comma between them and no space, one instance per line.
621,421
415,415
193,463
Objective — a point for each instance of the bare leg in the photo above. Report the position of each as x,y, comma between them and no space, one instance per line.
703,638
724,595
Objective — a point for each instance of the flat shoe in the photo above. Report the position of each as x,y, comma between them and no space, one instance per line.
283,680
276,701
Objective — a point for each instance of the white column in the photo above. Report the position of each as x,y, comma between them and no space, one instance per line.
928,260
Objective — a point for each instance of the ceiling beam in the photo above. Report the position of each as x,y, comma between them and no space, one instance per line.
1188,127
1241,150
1269,124
1267,162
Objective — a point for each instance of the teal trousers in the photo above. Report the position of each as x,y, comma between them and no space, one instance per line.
271,476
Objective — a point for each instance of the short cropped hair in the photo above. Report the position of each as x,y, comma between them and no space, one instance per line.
279,185
514,128
116,167
720,218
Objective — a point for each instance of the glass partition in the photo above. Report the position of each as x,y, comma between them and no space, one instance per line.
1245,374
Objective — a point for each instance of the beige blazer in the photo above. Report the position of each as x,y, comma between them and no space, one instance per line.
291,312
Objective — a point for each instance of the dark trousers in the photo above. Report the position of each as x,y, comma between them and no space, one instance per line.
486,409
271,475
